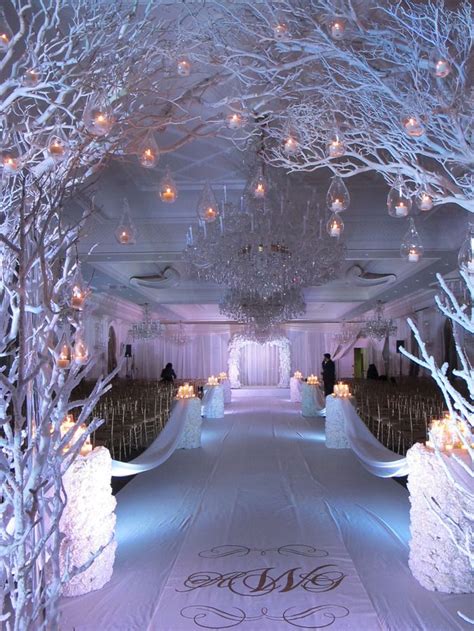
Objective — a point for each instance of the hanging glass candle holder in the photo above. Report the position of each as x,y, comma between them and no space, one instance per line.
183,67
399,200
168,191
63,353
466,252
335,226
98,115
80,351
291,145
5,32
413,126
281,31
258,186
125,232
57,145
338,198
411,248
424,201
32,75
337,28
11,162
80,291
148,152
335,146
237,117
207,208
440,65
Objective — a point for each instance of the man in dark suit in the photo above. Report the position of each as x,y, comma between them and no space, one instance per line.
329,374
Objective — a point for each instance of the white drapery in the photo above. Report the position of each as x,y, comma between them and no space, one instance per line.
259,364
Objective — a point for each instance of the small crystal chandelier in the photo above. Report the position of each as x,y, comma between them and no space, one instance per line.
178,335
347,334
147,329
249,307
378,327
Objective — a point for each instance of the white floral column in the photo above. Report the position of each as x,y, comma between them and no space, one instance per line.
335,425
227,391
213,402
191,436
295,390
312,400
88,521
441,520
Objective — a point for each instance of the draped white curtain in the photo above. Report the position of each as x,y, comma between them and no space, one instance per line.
307,350
259,365
201,356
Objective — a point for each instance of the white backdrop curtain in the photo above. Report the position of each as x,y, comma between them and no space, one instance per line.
259,365
202,356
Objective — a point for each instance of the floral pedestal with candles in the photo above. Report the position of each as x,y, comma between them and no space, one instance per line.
213,401
88,521
191,436
335,426
441,519
312,400
295,389
225,383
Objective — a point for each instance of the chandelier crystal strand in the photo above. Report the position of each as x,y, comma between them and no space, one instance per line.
147,329
378,327
178,335
248,307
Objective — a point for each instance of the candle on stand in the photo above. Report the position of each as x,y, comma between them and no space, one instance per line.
313,380
341,390
298,375
212,381
185,391
222,376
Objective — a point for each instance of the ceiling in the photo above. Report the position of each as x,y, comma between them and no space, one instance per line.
372,237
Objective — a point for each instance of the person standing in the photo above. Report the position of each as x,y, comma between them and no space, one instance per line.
168,374
329,374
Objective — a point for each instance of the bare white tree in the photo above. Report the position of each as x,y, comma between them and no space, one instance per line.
81,83
389,82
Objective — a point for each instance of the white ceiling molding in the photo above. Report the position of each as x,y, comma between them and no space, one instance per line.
357,275
169,277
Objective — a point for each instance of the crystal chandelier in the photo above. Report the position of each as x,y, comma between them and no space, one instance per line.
378,327
250,307
147,329
261,335
264,247
347,334
178,335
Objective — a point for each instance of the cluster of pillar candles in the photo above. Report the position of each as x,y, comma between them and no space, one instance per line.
312,380
212,381
449,433
186,391
341,390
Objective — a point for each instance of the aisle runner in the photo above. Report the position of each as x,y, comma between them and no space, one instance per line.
263,552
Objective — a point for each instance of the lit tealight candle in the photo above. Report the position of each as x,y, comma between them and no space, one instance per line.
64,358
426,203
335,230
413,256
184,68
401,209
337,30
168,194
336,205
442,68
336,149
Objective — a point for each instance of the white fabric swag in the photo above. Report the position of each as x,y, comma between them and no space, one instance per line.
259,365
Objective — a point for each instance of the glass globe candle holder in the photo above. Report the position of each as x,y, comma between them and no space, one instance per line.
235,120
148,153
440,66
31,78
466,252
281,31
335,226
337,28
183,67
79,292
5,32
335,147
81,352
125,232
168,191
338,198
207,208
413,126
424,201
63,353
398,200
291,146
98,116
11,163
258,186
411,247
57,145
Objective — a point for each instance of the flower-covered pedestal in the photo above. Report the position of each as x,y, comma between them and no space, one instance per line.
213,401
441,519
191,436
335,425
88,521
295,389
238,341
225,383
312,400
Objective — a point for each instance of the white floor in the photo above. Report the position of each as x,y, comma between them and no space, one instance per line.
263,528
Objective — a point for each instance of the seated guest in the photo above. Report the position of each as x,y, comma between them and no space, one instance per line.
372,372
168,374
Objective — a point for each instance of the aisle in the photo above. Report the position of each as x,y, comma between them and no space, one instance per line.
262,528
